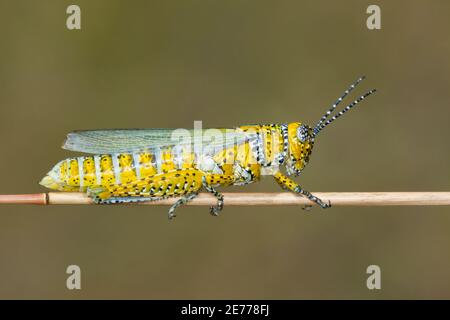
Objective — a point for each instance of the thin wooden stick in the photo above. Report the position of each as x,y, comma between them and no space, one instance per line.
258,199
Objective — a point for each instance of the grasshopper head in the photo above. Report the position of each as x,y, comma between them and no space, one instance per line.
301,142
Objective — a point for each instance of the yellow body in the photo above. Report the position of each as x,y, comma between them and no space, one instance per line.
166,169
166,172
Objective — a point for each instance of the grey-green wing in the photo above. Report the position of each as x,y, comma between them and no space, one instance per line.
134,140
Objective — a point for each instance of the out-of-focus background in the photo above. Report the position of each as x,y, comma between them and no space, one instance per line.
228,63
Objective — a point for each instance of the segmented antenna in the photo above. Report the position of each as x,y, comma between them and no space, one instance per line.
318,127
327,114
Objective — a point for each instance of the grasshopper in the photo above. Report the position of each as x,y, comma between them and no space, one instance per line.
132,165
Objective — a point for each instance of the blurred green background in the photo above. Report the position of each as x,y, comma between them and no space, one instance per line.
228,63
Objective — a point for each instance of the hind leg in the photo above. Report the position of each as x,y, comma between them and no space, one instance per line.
181,201
171,184
118,200
102,195
185,183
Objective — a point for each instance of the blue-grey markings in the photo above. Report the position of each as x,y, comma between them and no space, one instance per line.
98,173
137,165
116,167
81,172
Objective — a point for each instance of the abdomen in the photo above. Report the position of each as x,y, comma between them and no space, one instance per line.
77,174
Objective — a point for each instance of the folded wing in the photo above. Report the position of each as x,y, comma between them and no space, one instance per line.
135,140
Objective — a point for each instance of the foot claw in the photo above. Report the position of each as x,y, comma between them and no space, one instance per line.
171,215
214,211
326,205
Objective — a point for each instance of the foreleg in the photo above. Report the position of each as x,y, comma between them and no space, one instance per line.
287,183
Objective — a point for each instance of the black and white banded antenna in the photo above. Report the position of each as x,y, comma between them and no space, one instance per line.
323,122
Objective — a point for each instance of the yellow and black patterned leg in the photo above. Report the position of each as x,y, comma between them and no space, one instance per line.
181,201
103,196
212,180
291,185
177,183
214,210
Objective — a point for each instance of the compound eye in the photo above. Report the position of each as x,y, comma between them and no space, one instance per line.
303,133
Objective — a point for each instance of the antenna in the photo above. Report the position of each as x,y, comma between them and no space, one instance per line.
322,124
327,114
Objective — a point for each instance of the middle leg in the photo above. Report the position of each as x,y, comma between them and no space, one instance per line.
212,180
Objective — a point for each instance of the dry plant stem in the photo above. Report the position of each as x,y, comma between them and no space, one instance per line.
257,199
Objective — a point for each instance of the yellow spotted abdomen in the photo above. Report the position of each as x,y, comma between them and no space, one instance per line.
78,174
